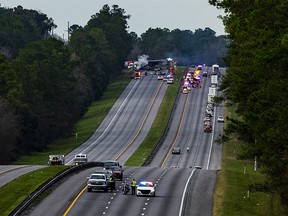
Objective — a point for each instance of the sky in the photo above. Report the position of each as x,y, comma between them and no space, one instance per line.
145,14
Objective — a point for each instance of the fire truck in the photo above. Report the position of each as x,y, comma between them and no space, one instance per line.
137,74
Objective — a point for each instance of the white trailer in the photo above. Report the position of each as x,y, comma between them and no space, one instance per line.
210,98
212,91
215,69
214,79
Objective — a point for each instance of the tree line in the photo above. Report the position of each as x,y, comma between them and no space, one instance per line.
46,84
256,82
185,46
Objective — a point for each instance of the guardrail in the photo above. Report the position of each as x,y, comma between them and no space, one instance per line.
42,188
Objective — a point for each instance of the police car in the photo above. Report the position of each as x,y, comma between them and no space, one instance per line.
145,188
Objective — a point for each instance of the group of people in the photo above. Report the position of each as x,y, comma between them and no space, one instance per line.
111,182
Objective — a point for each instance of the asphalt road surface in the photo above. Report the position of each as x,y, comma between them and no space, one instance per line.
179,191
11,172
127,123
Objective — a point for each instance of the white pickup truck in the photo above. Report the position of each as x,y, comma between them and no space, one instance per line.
97,181
80,159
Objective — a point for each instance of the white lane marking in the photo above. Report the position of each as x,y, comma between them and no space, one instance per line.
183,196
212,140
92,144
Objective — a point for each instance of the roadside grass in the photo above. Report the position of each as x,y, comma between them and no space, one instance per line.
159,124
13,193
84,128
231,194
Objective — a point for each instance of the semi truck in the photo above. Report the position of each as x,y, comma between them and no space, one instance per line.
215,69
214,79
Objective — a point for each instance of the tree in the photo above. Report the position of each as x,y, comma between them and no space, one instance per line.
45,96
21,26
113,23
256,81
9,131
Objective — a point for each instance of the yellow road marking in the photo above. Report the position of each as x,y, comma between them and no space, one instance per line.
177,134
74,201
136,135
119,155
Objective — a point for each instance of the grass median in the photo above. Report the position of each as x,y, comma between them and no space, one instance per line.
13,193
159,124
84,128
232,195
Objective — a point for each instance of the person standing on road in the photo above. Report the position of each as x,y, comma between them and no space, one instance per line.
111,182
133,186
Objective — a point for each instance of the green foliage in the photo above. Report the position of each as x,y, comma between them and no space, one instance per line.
184,45
159,124
84,128
257,81
231,196
113,22
45,96
49,83
13,193
21,26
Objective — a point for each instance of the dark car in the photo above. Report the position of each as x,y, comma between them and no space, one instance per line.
105,171
117,172
176,151
110,163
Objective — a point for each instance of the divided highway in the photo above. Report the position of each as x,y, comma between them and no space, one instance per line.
119,135
180,189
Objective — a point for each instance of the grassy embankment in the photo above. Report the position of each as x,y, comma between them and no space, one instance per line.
85,127
231,195
17,190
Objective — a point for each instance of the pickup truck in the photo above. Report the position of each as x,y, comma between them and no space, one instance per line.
80,159
97,181
115,167
110,163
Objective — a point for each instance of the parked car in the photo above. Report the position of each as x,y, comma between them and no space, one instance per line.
117,172
97,182
105,171
145,188
110,163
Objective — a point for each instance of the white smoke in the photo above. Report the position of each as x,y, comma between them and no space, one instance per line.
142,61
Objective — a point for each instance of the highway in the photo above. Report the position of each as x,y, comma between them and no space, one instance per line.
180,189
11,172
127,123
119,135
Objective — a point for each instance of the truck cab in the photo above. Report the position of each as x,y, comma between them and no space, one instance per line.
56,160
80,159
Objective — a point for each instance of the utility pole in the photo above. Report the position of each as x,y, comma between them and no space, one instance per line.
68,32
